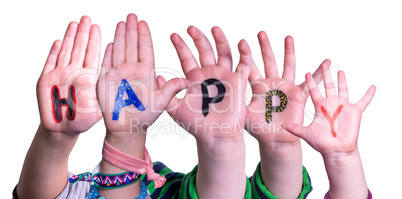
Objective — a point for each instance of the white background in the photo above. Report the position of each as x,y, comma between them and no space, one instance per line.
363,38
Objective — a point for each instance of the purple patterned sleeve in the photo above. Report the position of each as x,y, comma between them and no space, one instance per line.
368,197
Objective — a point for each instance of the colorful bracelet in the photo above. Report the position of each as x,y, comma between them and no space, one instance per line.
114,181
87,176
107,181
94,193
130,163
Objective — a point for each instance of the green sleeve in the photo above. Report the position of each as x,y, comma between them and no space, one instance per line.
178,185
259,190
188,189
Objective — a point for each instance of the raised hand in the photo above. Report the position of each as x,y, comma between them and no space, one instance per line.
277,100
213,111
188,111
128,72
71,72
336,123
129,97
287,99
334,133
68,106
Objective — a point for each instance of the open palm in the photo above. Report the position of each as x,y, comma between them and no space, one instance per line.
73,62
131,58
256,122
220,120
336,124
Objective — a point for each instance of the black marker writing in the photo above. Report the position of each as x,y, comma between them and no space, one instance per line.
206,100
57,103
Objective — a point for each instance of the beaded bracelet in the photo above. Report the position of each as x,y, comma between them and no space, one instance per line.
94,193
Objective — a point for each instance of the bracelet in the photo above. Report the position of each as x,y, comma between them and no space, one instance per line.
114,181
130,163
87,176
107,181
94,193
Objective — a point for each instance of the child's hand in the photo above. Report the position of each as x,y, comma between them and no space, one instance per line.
70,72
131,58
277,100
213,111
336,124
219,120
334,132
268,131
129,97
67,105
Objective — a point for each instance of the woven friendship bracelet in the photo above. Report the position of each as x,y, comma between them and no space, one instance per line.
130,163
114,181
107,181
87,176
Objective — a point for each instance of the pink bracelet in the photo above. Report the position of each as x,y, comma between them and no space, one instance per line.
130,163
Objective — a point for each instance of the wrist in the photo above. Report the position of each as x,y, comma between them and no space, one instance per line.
346,175
221,166
341,159
220,146
280,149
125,136
281,168
128,142
132,144
56,137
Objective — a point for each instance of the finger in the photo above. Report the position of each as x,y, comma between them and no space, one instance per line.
119,46
160,81
222,48
207,56
146,50
342,86
366,99
289,68
313,89
170,89
81,42
297,130
187,59
67,46
171,109
317,76
244,72
107,59
92,56
131,38
267,56
52,57
329,84
247,59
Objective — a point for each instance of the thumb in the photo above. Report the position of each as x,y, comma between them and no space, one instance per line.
168,90
297,130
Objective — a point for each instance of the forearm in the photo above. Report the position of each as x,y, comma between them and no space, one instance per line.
281,168
45,170
221,168
346,175
129,143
